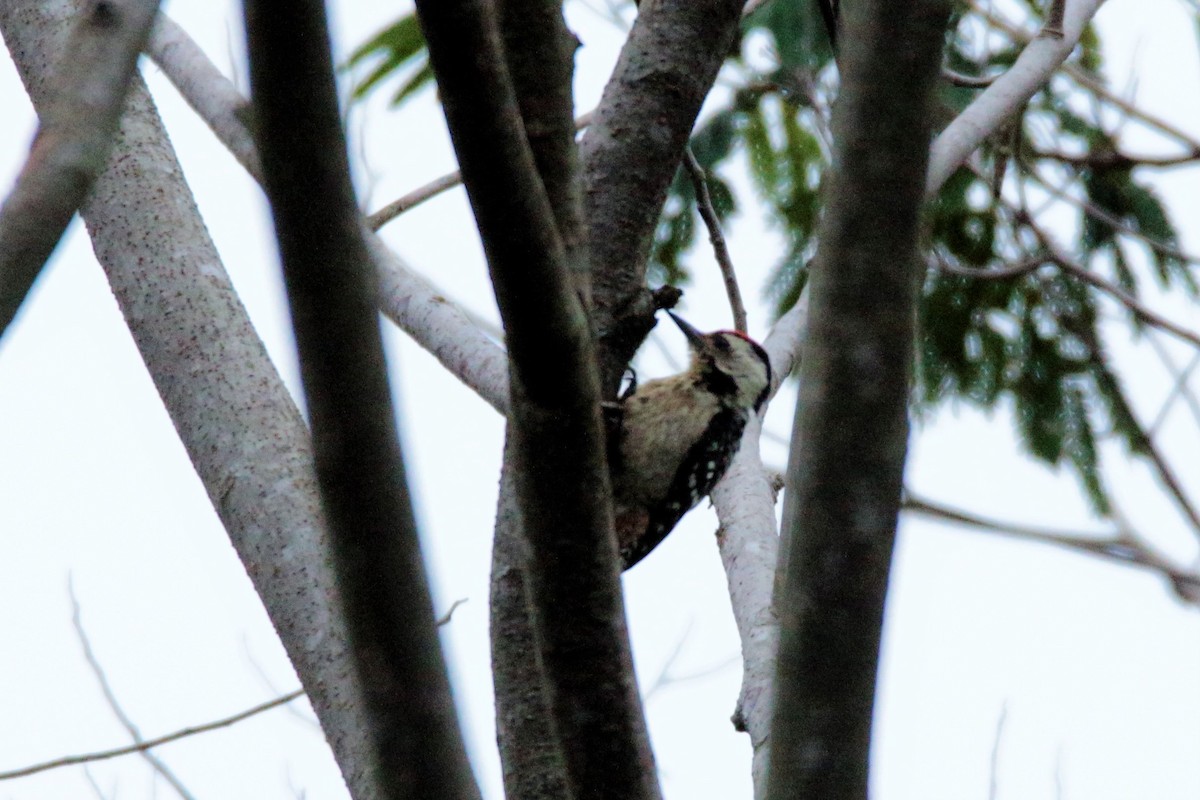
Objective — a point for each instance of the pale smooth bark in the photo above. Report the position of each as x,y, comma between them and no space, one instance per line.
242,431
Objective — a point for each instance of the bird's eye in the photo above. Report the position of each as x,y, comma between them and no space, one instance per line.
721,343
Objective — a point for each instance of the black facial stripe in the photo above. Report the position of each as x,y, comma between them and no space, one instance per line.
718,382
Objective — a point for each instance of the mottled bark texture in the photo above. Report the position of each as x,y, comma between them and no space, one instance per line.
417,749
631,152
556,450
244,436
851,431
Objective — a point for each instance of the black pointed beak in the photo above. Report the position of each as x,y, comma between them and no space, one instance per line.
695,338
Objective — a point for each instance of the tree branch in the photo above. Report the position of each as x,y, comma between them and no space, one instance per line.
73,140
1008,94
1122,547
111,698
557,460
233,415
850,436
149,744
417,748
630,153
709,214
434,323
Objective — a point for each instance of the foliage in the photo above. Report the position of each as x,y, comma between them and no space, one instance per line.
1029,338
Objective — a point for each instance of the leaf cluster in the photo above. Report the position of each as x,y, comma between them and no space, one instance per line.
1030,340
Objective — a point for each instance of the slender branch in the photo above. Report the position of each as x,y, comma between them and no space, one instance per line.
709,214
994,761
413,199
149,744
73,140
968,81
1122,547
1114,159
1007,272
111,698
1091,83
405,298
1139,309
1181,387
1109,219
416,747
211,95
1009,93
432,189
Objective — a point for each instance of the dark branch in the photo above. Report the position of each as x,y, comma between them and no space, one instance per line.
709,214
630,155
148,744
417,749
73,140
556,450
850,435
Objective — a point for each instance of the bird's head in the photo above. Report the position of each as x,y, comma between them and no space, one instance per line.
731,364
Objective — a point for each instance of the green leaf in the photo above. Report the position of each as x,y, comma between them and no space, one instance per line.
396,46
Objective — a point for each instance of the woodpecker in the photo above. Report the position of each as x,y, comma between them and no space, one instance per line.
672,439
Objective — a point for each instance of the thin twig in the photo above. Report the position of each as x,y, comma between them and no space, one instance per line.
994,763
413,199
1023,267
1113,221
709,214
101,755
110,696
444,619
1181,388
1122,547
1115,159
965,81
434,188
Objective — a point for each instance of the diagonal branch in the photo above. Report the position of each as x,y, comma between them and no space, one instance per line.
709,214
556,442
417,747
630,153
73,141
1010,91
111,698
416,308
150,744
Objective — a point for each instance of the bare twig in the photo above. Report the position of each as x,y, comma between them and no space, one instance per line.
434,188
444,619
1122,546
1115,159
413,199
1022,267
1140,309
960,79
1181,387
102,755
994,761
709,214
1114,222
111,697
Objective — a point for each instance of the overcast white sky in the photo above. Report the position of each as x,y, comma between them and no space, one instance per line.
1097,665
